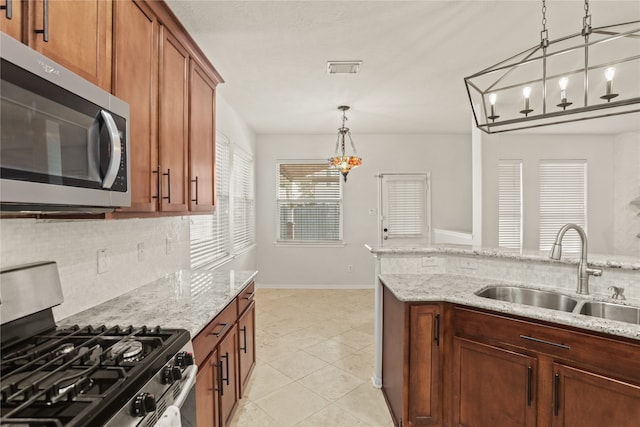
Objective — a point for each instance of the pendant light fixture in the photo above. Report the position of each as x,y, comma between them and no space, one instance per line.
560,81
343,162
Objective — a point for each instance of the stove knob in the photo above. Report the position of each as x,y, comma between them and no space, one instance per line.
184,359
143,404
170,374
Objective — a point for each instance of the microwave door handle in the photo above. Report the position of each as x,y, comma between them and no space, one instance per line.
116,150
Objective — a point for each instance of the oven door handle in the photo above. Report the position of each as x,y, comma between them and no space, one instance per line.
187,385
115,150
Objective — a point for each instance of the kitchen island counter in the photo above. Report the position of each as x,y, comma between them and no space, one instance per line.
460,289
187,299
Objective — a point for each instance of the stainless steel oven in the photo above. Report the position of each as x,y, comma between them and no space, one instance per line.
64,141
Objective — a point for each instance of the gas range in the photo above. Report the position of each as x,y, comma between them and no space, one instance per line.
85,375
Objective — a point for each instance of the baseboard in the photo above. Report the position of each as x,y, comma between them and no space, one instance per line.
310,286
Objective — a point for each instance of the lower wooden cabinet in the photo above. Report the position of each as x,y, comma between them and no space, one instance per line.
246,344
585,399
228,360
207,383
225,354
492,386
411,361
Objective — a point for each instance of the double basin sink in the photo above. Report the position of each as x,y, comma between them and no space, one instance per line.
557,301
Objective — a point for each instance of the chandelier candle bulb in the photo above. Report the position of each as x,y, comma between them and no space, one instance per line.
609,74
526,93
563,83
492,100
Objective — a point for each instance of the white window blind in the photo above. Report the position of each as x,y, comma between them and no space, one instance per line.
563,199
209,234
243,200
510,204
309,202
406,210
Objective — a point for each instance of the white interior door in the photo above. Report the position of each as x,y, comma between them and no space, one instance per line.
405,209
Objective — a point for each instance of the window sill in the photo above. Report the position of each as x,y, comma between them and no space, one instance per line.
309,245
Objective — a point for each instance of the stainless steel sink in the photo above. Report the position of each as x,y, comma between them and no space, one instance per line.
605,310
533,297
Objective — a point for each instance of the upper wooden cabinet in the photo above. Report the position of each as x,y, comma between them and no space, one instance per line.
202,143
74,33
135,80
170,89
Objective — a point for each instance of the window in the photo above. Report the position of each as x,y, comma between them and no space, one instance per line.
309,202
243,200
510,204
563,199
209,234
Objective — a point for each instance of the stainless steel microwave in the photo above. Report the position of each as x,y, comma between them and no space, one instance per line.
63,141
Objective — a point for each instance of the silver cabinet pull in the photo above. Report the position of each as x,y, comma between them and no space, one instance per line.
45,21
8,7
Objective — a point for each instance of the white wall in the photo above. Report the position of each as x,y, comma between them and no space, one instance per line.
447,157
627,188
603,176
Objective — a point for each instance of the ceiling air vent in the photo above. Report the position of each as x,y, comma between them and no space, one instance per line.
343,67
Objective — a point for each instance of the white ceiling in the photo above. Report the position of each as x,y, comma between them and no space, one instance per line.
273,54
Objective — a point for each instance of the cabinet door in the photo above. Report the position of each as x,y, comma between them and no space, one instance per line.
202,143
135,70
393,354
586,399
76,34
425,385
246,344
173,122
207,384
228,356
11,18
492,387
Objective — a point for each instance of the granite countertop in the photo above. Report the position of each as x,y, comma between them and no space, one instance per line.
460,289
186,299
596,260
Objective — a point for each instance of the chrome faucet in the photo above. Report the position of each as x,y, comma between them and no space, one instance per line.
584,271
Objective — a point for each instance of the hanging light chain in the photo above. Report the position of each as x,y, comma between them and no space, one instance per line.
586,21
544,34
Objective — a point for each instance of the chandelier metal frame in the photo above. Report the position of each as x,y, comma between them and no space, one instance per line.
484,87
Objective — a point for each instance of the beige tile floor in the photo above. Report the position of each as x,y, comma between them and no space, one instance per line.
314,362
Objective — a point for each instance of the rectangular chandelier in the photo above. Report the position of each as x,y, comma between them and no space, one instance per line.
594,73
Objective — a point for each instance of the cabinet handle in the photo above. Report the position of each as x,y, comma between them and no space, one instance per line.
45,21
168,175
226,358
196,181
221,331
437,334
159,179
8,7
555,344
529,379
556,394
249,295
244,339
220,384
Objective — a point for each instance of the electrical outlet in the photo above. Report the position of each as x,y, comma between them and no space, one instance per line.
372,212
141,253
169,245
350,268
102,261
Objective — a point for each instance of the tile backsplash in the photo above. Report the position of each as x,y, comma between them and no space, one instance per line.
74,245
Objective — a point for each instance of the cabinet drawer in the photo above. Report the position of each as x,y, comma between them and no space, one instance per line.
208,338
245,298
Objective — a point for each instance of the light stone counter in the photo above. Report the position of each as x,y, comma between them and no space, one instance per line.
460,289
595,260
187,299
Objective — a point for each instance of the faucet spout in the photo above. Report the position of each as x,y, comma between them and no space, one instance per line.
584,271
